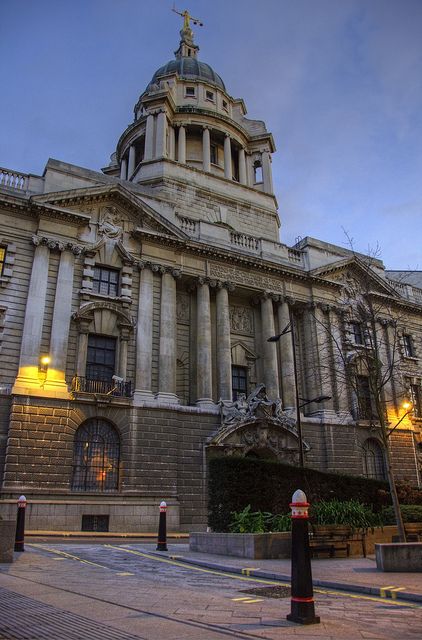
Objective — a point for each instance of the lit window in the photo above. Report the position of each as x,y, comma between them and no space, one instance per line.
106,281
373,460
239,381
214,154
96,457
101,358
209,95
190,92
409,351
2,258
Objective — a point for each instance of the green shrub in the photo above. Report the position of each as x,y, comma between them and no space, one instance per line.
350,512
247,521
410,513
268,486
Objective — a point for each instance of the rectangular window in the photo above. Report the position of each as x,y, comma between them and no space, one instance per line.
190,92
416,400
364,398
225,105
209,95
101,358
257,171
106,281
214,154
239,381
409,351
357,333
2,258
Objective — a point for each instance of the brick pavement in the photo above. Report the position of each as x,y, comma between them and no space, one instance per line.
124,590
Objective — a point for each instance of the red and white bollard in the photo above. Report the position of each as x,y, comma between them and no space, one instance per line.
302,608
162,528
20,525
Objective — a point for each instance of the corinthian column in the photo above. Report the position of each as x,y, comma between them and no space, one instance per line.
286,357
143,375
206,149
242,167
224,365
55,380
161,135
27,377
269,349
149,138
181,145
167,355
228,172
203,329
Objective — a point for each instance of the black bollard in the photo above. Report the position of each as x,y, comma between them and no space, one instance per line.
162,528
20,525
302,608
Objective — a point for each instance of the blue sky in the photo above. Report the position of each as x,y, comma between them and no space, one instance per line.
338,82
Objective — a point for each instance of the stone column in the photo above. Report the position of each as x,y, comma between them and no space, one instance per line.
386,339
323,355
161,137
206,149
124,340
341,395
224,363
310,366
242,167
168,347
286,357
123,169
269,349
181,145
56,373
172,143
228,171
249,170
131,164
84,324
143,375
149,138
266,172
204,356
29,360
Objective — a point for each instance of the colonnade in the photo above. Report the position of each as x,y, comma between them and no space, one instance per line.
160,142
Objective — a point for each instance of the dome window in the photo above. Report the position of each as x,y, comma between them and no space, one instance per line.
209,95
225,105
190,92
257,169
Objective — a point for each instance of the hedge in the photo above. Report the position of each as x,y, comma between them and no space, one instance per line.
268,486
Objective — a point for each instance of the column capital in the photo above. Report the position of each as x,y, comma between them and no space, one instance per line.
226,285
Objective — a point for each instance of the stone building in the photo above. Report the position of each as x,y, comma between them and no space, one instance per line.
135,308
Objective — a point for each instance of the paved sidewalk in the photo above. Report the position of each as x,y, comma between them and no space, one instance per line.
352,574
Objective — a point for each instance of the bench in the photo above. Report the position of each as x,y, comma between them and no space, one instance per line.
333,542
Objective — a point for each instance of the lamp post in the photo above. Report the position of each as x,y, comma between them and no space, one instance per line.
408,407
289,328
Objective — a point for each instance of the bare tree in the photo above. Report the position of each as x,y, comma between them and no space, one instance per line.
365,357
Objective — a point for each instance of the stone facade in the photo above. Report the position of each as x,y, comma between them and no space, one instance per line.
151,289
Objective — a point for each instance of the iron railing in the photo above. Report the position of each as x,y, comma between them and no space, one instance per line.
113,388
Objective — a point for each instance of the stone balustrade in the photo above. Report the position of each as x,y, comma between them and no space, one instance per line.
13,179
243,241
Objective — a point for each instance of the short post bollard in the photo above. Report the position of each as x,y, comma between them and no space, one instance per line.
302,601
20,525
162,528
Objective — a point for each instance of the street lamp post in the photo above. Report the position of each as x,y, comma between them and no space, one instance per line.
289,328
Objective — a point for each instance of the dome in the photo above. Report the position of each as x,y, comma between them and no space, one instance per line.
191,69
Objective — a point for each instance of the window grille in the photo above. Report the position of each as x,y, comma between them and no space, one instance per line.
239,381
96,457
106,281
373,460
101,358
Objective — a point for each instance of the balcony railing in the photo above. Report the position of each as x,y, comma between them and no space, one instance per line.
13,179
112,388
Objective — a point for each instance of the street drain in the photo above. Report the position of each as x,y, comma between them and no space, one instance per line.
270,592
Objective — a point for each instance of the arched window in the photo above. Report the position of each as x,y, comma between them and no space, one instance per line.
96,457
373,460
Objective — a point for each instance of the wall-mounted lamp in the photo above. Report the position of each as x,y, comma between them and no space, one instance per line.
44,362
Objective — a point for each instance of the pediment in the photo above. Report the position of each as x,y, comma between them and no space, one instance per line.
95,203
355,275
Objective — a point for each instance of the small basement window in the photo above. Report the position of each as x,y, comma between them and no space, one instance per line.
95,523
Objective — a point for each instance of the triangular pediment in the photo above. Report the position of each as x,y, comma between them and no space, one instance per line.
355,274
90,203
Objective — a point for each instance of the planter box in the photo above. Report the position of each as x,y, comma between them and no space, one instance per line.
242,545
399,556
7,540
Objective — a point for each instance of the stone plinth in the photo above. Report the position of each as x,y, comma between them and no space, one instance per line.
242,545
399,556
7,540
